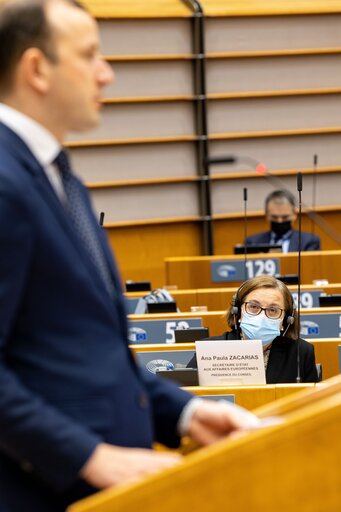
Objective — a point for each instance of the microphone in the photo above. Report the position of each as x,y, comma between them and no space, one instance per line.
245,231
299,189
232,159
101,219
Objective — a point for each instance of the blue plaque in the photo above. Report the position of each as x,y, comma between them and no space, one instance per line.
309,298
223,271
158,331
164,359
323,325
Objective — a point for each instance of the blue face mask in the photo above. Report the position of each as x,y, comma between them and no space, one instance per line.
260,327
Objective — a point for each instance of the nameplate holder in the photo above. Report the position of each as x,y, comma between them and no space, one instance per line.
230,363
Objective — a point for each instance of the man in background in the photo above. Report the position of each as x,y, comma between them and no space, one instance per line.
76,413
280,211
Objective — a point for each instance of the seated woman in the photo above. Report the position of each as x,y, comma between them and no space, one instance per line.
263,309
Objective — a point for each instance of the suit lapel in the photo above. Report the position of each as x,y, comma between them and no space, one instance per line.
293,242
20,152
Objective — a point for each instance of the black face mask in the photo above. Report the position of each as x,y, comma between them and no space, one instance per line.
281,228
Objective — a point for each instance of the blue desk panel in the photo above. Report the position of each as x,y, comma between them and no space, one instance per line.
158,331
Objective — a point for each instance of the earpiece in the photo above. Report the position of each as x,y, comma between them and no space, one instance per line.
290,319
235,308
235,302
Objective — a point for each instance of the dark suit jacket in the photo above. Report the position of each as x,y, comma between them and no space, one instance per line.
310,242
67,378
282,363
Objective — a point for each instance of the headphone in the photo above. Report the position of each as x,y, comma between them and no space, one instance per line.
236,310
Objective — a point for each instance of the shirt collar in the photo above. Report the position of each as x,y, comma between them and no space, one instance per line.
40,141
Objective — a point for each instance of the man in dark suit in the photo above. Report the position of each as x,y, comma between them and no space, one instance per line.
76,413
280,211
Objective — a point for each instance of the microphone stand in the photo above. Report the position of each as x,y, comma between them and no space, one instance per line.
299,189
245,231
313,206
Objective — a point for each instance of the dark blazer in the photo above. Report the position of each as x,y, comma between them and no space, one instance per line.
282,363
67,377
310,242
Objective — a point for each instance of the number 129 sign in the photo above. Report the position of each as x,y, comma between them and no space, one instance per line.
237,270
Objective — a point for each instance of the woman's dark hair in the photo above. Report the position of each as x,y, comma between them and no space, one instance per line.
233,312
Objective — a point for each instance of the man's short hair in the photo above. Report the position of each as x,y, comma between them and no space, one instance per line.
23,25
280,196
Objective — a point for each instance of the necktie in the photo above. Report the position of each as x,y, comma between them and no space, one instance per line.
80,218
278,239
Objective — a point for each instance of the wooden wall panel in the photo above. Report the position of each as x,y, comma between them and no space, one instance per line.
274,73
261,33
140,250
129,121
122,163
149,202
279,153
136,9
155,79
145,37
270,114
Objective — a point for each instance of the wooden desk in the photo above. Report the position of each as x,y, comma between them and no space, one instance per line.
216,320
252,397
216,299
195,272
326,353
234,469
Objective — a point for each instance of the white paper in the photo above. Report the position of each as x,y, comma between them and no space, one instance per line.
228,363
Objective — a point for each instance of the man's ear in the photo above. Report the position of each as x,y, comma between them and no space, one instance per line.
36,70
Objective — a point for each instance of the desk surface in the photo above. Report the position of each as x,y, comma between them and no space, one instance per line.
195,272
216,299
326,352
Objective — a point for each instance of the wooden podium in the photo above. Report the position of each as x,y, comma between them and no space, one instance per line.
288,467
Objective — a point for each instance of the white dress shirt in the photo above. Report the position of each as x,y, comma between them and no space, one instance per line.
39,140
284,241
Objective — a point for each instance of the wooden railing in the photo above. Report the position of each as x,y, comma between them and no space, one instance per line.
195,272
326,352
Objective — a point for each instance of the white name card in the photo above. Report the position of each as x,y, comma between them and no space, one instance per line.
222,362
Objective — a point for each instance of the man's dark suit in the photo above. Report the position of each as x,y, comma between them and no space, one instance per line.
310,242
67,378
282,363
